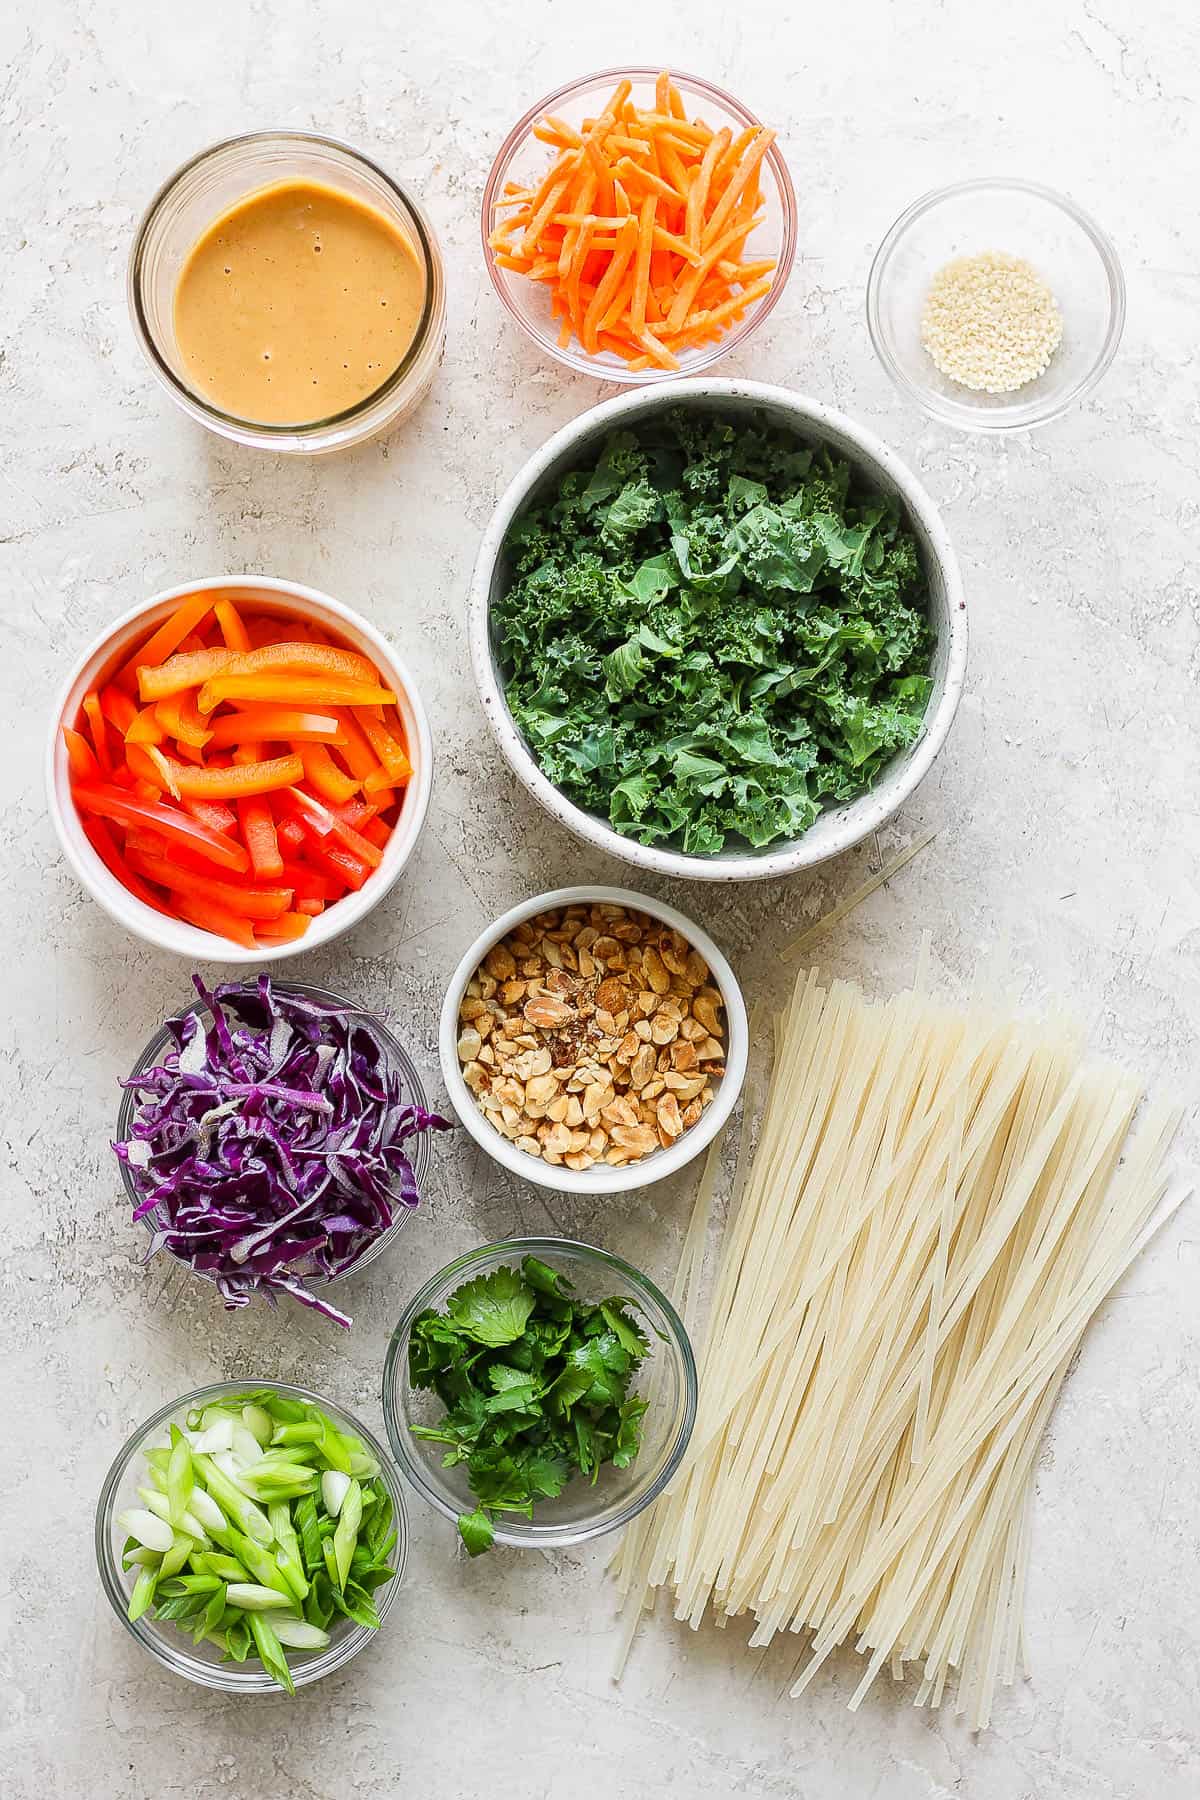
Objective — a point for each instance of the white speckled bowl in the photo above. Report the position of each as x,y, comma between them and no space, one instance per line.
841,827
600,1179
114,644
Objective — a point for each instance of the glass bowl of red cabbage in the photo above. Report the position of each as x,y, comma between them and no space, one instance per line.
274,1137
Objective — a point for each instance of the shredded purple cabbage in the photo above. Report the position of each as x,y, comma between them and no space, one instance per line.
267,1149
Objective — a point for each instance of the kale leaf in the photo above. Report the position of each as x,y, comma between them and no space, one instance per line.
714,631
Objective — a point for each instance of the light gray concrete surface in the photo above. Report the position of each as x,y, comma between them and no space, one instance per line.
1068,807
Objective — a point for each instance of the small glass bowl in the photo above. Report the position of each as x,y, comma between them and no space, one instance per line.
582,1511
164,1641
207,186
162,1041
1068,250
524,159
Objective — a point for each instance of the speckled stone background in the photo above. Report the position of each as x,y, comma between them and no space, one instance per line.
1067,801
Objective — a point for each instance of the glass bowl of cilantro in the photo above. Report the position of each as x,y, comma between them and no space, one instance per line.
539,1393
718,630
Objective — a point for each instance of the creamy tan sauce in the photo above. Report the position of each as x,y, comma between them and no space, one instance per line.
296,304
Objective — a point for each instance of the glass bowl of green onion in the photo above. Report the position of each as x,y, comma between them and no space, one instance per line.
539,1393
251,1536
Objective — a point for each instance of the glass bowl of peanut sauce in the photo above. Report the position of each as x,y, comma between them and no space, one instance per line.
288,293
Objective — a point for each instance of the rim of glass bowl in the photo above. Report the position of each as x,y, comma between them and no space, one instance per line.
579,360
234,1678
395,1372
188,396
960,414
419,1159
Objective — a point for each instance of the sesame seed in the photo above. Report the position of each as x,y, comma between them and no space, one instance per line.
990,322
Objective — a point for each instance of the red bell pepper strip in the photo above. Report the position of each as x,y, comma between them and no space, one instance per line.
284,930
117,708
80,756
213,813
104,844
217,919
99,731
108,802
249,903
312,907
290,834
259,836
318,822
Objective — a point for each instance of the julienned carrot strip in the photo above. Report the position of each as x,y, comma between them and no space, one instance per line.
698,192
738,181
170,634
257,827
571,231
99,731
186,669
598,305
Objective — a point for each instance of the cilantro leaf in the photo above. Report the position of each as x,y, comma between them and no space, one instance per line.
475,1530
492,1309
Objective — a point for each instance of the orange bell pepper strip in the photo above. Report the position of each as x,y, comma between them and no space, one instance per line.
146,762
281,689
100,837
284,930
257,827
356,751
250,903
170,634
324,776
232,627
80,756
303,657
242,778
98,730
285,724
179,719
388,749
208,916
108,802
145,728
187,669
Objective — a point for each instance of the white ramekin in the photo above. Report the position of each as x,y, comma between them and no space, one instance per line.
111,648
841,827
601,1179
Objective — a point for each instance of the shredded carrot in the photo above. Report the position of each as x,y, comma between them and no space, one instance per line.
638,228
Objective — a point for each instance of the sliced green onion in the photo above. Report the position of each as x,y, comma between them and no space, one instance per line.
270,1651
147,1528
143,1592
258,1423
237,1507
248,1596
298,1634
334,1487
346,1535
179,1478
